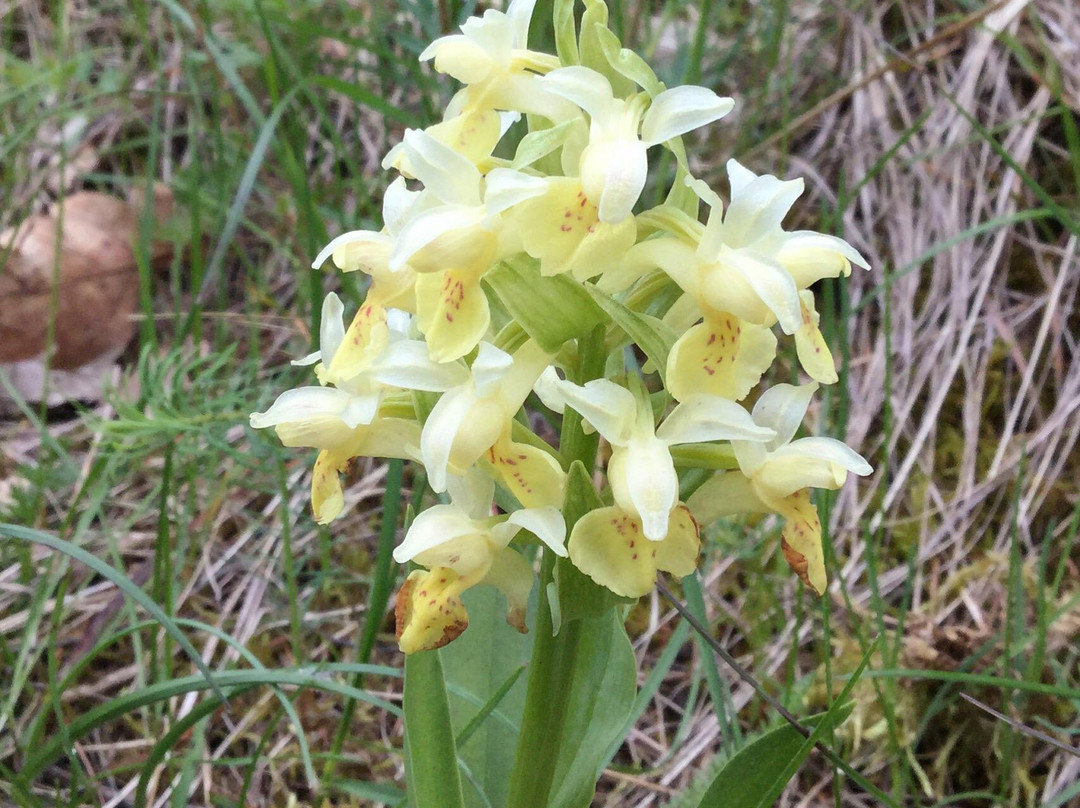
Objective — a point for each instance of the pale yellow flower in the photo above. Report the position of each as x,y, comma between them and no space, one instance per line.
462,545
641,470
774,477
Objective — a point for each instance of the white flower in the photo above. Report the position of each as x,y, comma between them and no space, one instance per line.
774,476
491,56
462,545
641,470
744,263
456,224
358,390
475,420
614,163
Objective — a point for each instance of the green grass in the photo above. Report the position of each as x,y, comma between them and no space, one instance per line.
267,120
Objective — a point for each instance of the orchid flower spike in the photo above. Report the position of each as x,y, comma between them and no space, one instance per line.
774,477
641,471
614,163
462,545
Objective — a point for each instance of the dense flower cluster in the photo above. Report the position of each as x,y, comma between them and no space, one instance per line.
438,362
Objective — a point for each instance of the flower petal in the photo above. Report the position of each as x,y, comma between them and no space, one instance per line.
554,224
519,13
674,256
724,494
583,86
445,173
327,499
446,236
810,463
607,545
644,483
814,354
473,134
810,256
445,536
678,552
429,612
332,327
471,492
757,207
385,437
532,475
703,418
722,356
801,540
611,409
546,524
782,408
512,574
489,368
504,188
398,202
452,312
680,110
406,363
364,341
514,386
549,391
613,174
301,405
771,284
440,431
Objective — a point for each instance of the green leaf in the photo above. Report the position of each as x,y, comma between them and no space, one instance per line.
373,792
123,583
484,712
565,35
539,144
362,95
600,700
594,24
430,755
756,775
627,63
234,682
647,332
551,310
747,779
672,648
578,595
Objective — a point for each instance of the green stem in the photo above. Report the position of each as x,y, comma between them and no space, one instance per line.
551,668
431,755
